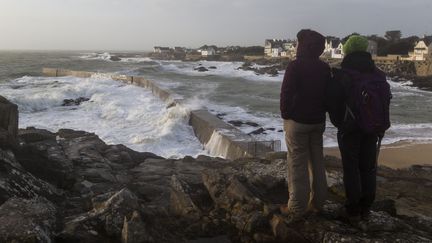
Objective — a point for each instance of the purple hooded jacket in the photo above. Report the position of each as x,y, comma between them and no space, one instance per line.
302,97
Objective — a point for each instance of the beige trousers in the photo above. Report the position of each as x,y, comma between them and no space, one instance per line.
307,183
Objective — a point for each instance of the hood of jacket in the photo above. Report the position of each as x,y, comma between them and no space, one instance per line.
311,44
360,61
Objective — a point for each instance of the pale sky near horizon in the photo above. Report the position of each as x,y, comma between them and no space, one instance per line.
140,25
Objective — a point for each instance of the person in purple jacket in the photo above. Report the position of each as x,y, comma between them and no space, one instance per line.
302,105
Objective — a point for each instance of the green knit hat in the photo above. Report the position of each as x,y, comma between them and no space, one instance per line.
355,43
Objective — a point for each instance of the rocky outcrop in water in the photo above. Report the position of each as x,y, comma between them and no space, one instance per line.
77,101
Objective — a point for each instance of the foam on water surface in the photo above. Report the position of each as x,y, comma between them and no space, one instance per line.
116,112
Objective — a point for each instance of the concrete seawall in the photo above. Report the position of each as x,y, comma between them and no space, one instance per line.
218,137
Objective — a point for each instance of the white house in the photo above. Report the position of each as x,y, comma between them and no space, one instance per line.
422,50
275,52
160,49
210,51
333,48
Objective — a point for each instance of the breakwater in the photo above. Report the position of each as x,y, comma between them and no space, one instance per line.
219,138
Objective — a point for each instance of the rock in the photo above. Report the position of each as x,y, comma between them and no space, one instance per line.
201,69
8,123
106,218
258,131
276,155
134,230
77,101
282,232
16,182
115,58
181,202
221,115
46,160
212,67
23,220
32,135
252,124
236,123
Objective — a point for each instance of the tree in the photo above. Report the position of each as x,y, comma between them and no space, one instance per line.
393,35
348,36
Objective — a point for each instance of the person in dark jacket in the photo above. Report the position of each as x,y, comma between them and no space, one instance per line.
358,149
302,105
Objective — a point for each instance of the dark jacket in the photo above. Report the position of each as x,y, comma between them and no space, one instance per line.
339,86
302,95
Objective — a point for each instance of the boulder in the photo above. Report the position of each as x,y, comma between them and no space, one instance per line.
27,220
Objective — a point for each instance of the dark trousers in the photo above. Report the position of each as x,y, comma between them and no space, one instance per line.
358,151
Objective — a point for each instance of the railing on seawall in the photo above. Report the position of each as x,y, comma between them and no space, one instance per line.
219,138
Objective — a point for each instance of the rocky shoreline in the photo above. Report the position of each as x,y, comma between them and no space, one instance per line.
70,186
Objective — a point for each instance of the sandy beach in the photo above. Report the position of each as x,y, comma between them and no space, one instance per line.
398,155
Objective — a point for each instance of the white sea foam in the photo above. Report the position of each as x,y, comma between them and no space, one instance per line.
106,56
398,132
96,56
225,69
116,112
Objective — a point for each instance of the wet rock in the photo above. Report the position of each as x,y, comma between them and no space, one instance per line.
8,123
115,58
23,220
252,124
236,123
201,69
221,115
72,102
258,131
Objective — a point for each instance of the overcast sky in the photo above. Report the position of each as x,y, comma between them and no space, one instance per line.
142,24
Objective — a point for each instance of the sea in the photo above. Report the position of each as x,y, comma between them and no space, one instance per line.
125,114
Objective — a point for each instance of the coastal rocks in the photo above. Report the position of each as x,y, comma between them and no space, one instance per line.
24,220
120,195
269,67
8,123
72,102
